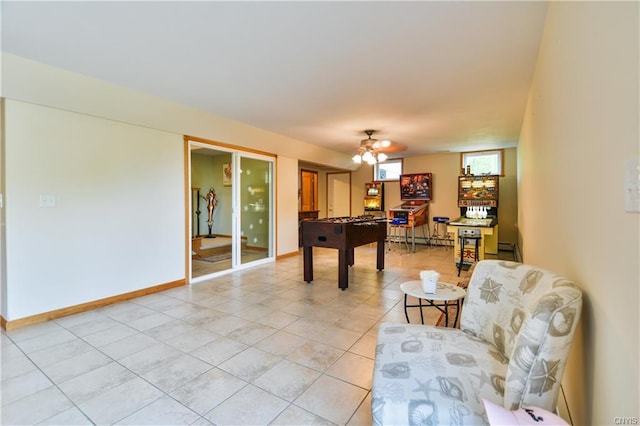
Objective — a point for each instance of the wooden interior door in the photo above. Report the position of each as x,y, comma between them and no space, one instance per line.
309,195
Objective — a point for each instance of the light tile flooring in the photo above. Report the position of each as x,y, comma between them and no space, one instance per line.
254,347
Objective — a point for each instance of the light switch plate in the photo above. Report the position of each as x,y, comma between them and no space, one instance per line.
47,200
632,186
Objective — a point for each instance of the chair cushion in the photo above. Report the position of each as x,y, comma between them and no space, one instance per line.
434,375
530,315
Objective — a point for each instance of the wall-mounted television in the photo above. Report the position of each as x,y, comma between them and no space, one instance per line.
416,187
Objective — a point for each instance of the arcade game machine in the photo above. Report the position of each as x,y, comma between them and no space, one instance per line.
415,194
374,199
478,203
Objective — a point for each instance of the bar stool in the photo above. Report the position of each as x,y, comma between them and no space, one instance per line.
397,233
468,236
440,235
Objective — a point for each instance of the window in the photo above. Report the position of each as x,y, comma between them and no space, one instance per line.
388,170
483,162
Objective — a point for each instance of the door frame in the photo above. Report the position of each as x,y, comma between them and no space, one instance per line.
236,153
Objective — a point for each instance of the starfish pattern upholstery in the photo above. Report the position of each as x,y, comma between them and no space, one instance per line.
517,325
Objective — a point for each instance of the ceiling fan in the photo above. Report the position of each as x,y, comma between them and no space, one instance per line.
371,150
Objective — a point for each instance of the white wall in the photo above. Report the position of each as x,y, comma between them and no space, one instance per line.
118,224
445,168
119,124
33,82
580,127
286,205
359,177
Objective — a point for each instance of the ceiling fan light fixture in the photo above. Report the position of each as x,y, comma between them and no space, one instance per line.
369,150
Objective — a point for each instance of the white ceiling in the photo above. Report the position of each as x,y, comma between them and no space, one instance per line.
434,76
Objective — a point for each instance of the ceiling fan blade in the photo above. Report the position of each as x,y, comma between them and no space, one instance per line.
394,147
379,145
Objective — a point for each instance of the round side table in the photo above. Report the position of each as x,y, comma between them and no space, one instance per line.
447,294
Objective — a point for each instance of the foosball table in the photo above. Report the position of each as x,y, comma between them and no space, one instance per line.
344,234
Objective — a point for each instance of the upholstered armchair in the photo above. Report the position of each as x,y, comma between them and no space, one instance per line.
517,325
